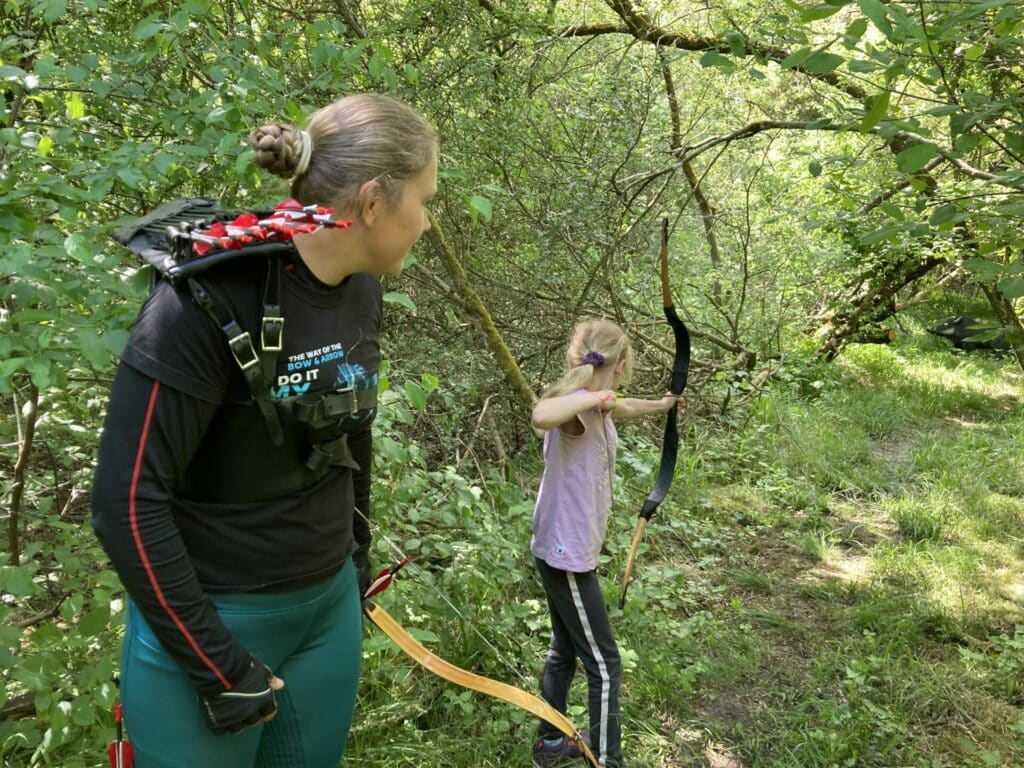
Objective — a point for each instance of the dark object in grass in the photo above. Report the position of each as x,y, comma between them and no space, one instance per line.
962,330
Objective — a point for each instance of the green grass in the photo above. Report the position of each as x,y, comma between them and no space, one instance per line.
858,550
837,580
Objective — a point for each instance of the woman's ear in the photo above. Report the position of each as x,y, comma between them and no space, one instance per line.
370,202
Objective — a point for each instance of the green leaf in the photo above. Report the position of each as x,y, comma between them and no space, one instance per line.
115,341
985,269
83,713
17,581
482,205
878,109
75,106
148,29
819,12
822,62
397,297
8,72
95,621
795,59
880,234
875,10
974,52
40,373
375,66
855,32
814,167
715,59
915,158
45,146
942,214
1011,287
1014,141
736,44
862,65
416,395
52,10
892,210
967,142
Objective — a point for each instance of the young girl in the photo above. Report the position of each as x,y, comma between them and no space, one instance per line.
569,524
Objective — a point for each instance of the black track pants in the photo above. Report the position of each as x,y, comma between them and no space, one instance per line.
580,629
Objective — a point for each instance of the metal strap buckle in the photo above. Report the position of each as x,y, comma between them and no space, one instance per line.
339,402
272,334
241,348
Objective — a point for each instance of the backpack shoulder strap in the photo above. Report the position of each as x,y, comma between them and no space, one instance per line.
253,366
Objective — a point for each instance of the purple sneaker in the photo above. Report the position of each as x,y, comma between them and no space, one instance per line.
552,753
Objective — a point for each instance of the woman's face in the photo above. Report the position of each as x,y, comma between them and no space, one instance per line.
397,227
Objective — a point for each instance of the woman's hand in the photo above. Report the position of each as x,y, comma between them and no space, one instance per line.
250,702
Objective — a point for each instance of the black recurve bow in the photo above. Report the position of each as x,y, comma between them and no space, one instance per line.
670,441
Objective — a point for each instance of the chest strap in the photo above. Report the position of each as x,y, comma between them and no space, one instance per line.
327,408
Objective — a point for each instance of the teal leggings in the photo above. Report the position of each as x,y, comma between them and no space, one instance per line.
311,638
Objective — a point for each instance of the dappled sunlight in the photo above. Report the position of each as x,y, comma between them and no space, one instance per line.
850,568
1014,589
720,757
978,383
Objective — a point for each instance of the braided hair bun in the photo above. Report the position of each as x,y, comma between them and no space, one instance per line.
359,138
278,148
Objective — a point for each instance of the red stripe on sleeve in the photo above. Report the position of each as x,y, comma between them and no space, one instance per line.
140,547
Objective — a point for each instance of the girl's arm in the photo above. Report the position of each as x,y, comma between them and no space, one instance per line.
632,407
555,411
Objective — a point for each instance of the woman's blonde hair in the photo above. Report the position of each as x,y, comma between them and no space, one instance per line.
354,140
599,336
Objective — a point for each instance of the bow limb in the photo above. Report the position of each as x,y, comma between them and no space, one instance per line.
433,663
670,439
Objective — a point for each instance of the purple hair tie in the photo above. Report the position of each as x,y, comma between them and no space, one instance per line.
595,359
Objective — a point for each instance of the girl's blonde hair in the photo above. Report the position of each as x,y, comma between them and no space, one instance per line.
354,140
601,336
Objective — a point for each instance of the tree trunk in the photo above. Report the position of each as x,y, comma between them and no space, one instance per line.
475,305
26,434
872,304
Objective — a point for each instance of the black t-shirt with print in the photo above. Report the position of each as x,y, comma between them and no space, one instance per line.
176,382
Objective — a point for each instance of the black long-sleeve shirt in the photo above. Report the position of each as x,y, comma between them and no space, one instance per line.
175,383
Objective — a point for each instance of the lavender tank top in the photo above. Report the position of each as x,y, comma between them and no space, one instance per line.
571,515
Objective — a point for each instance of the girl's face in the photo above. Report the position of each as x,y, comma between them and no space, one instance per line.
395,228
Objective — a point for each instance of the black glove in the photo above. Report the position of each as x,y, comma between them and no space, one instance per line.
249,702
364,573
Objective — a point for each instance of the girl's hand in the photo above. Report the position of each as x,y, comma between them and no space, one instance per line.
606,400
668,401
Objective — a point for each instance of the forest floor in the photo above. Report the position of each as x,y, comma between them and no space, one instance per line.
845,581
836,579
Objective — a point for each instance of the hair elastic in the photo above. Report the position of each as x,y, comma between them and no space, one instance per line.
595,359
307,153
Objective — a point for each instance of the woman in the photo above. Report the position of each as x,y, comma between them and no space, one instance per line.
232,489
